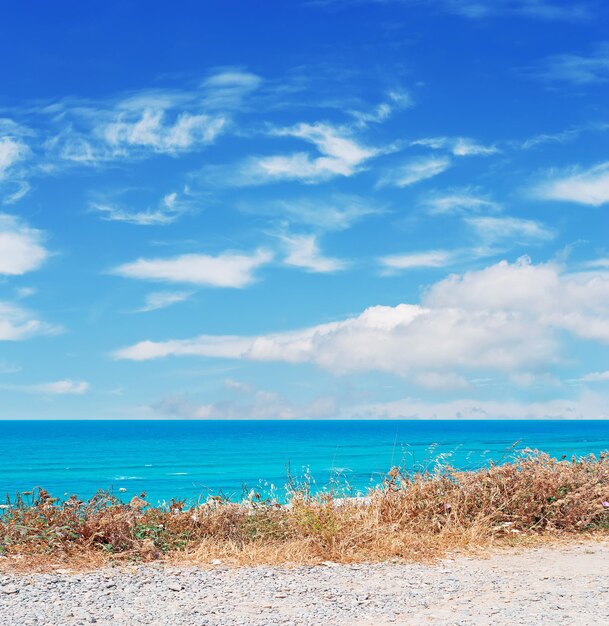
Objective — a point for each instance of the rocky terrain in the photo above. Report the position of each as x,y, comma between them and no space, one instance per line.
552,585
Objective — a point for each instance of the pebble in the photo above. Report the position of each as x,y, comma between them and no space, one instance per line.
549,586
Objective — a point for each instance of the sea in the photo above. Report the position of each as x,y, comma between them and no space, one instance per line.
193,460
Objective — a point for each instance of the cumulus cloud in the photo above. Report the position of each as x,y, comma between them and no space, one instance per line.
17,324
415,170
21,248
505,318
303,251
589,186
229,269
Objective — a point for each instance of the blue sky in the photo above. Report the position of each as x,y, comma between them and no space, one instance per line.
319,209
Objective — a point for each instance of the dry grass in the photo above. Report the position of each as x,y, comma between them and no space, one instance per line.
415,517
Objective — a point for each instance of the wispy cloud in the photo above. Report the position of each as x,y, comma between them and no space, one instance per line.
171,207
414,171
462,201
260,404
583,186
549,10
457,146
145,122
227,89
21,247
595,377
56,388
17,323
163,299
396,101
323,213
576,69
303,251
339,154
12,152
230,269
499,229
415,260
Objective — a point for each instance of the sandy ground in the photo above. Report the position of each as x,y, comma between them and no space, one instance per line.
552,585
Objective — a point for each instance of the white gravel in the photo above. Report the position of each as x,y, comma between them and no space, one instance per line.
560,585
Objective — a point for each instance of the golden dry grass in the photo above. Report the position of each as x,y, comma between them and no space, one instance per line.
421,516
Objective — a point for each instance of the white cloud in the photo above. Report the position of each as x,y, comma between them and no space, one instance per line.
21,248
340,155
327,213
598,263
17,324
539,9
588,406
458,202
170,208
594,377
229,269
430,258
11,152
577,69
303,251
396,100
441,381
149,129
162,299
227,89
56,388
415,170
137,124
589,186
505,318
496,229
457,146
483,9
262,405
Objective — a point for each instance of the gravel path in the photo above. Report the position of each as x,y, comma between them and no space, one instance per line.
561,585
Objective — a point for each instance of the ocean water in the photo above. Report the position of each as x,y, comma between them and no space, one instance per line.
195,459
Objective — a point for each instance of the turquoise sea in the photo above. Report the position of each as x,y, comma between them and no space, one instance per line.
192,459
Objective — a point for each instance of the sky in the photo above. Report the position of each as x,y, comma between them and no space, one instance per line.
320,209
